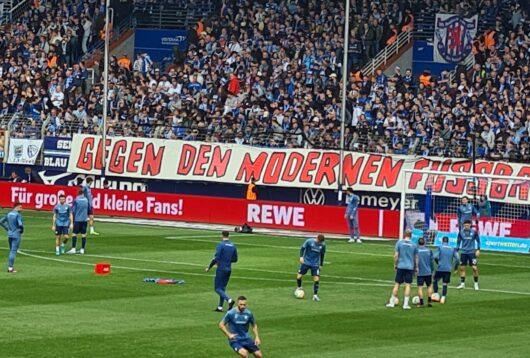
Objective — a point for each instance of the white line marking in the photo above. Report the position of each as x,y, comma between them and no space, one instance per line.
381,221
198,239
382,284
502,265
203,237
278,246
194,273
201,265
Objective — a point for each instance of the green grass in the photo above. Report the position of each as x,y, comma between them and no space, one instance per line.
57,307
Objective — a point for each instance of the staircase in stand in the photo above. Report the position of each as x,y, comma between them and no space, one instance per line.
389,54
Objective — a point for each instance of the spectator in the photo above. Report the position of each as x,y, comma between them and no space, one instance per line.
252,190
14,177
484,206
267,74
30,176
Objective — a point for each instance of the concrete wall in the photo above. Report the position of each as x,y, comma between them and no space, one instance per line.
404,62
126,46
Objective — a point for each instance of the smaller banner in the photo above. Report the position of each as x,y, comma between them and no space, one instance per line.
159,44
488,243
3,145
56,152
453,37
23,151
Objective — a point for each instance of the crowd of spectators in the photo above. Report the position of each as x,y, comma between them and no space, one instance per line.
268,73
41,74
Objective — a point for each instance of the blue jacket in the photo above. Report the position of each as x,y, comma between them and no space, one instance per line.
353,205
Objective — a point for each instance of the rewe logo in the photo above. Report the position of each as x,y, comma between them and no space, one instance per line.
275,215
488,228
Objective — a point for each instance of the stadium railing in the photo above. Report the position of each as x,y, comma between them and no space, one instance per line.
20,126
178,14
386,53
13,10
359,140
4,121
123,26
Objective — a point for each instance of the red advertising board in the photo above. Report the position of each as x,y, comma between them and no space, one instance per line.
488,226
174,207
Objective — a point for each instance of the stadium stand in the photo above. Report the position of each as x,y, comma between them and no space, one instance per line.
262,74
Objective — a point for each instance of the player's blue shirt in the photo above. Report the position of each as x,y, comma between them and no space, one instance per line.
407,251
353,205
80,209
62,214
445,255
88,193
238,322
465,212
425,261
313,252
468,241
12,222
225,254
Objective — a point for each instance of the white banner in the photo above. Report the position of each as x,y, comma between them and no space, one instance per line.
453,37
300,168
23,151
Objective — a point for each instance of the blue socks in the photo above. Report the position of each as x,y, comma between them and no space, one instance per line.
83,243
74,242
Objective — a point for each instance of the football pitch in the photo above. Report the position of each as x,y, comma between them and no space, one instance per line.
57,307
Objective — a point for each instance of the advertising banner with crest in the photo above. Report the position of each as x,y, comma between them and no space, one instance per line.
453,37
23,151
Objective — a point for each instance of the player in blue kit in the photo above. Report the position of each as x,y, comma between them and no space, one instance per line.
444,257
468,244
80,215
235,325
312,255
425,268
225,255
405,263
352,216
465,212
87,191
62,223
14,226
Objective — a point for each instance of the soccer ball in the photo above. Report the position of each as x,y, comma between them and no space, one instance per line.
435,297
396,301
299,293
416,300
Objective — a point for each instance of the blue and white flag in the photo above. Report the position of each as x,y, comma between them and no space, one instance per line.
453,37
23,151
